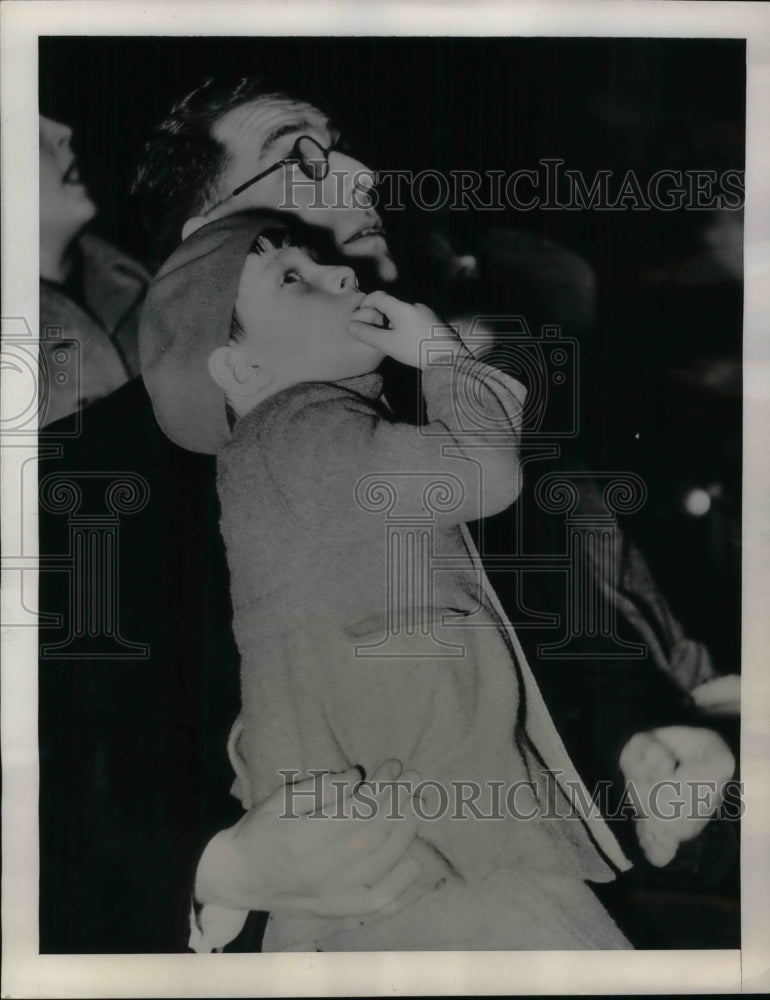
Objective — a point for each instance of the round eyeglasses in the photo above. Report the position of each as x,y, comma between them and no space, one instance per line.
310,156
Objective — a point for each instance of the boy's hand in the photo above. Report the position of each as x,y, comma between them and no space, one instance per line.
408,327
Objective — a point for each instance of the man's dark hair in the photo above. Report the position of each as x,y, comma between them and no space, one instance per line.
182,161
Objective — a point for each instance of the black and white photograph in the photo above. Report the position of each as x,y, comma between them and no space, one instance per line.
384,499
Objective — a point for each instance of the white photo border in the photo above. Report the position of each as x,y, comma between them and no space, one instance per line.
28,974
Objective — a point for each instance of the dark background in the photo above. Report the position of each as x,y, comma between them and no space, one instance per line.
660,365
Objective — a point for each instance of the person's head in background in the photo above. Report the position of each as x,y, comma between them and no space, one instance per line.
65,206
221,136
84,364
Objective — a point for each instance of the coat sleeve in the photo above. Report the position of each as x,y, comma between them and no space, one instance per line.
348,452
134,777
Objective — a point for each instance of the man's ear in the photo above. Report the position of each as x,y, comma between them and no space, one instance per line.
236,376
193,225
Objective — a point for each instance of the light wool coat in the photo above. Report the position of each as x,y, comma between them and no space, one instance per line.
368,630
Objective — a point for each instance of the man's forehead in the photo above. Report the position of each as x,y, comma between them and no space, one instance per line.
253,123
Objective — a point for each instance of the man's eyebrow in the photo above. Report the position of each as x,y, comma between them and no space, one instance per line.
287,128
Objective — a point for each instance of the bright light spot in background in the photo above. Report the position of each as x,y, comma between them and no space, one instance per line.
697,502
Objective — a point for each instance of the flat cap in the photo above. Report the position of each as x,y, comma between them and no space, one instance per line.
186,315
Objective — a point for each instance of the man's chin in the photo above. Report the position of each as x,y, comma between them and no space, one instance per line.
374,270
387,271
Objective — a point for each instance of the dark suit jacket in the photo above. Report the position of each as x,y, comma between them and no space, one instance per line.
134,773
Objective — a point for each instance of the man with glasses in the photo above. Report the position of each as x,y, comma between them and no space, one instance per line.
261,149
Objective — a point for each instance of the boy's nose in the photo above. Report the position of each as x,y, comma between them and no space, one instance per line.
339,279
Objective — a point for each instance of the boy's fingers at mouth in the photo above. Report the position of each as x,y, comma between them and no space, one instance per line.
388,305
366,314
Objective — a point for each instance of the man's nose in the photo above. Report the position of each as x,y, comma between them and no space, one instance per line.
364,181
338,279
357,180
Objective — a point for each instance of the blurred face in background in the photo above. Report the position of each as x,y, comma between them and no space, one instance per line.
84,365
65,206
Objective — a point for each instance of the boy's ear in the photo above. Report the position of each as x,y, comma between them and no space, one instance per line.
236,376
193,225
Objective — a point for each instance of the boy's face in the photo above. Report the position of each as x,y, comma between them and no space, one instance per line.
295,314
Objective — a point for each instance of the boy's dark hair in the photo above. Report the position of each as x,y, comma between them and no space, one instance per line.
182,161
